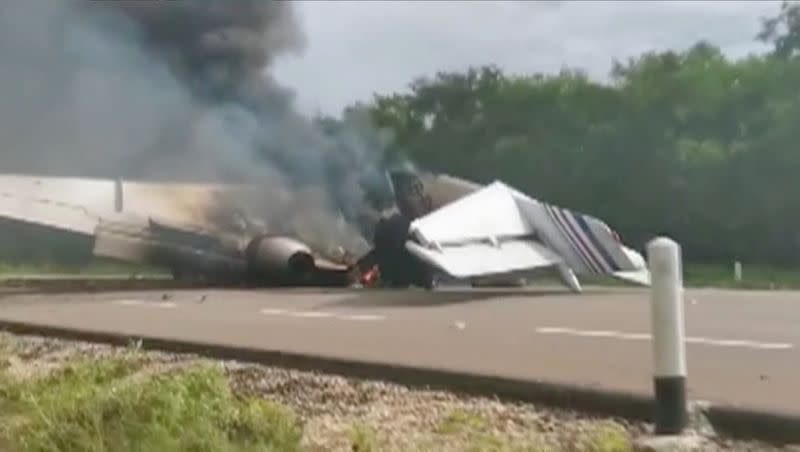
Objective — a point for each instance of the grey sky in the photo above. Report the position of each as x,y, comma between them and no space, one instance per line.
357,48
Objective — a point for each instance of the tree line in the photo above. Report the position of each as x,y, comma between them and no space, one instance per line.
689,143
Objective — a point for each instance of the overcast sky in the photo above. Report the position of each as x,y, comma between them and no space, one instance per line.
359,48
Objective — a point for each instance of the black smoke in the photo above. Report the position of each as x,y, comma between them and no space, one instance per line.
178,90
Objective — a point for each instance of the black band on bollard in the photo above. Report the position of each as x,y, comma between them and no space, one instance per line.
671,413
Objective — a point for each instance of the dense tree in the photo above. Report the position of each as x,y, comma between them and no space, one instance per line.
688,143
783,30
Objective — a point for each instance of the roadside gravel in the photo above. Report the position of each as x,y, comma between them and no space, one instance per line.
348,414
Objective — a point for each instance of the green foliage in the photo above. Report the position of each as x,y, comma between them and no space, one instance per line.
93,268
460,420
103,405
684,143
130,403
363,439
476,434
607,438
783,31
753,277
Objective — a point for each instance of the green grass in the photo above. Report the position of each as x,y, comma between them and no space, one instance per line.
760,277
753,277
459,421
103,405
606,437
476,434
363,439
95,268
126,403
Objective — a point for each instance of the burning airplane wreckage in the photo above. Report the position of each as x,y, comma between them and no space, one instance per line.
164,90
440,226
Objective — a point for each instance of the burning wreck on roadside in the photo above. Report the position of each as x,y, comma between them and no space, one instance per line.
440,226
177,91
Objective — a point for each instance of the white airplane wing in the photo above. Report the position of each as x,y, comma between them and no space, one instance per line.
483,233
488,212
47,212
483,259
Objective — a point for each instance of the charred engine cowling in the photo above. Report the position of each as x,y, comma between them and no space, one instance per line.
397,265
279,258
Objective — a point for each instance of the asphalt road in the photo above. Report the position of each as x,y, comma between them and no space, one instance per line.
742,346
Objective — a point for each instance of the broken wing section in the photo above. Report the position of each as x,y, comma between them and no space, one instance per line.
488,213
481,234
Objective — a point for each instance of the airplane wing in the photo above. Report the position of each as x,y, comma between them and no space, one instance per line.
483,233
483,259
48,212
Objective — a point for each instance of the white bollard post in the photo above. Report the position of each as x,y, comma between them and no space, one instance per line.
737,271
669,353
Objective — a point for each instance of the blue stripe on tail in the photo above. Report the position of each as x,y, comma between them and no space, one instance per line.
599,246
564,229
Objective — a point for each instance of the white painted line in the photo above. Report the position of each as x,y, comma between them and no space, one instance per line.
128,302
311,314
322,314
155,304
361,317
588,333
739,343
643,336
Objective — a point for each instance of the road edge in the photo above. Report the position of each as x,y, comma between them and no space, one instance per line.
728,421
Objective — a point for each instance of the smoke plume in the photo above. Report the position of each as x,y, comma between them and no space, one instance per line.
179,90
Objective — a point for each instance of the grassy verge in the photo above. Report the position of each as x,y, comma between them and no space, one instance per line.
757,277
753,277
461,430
94,268
130,401
60,395
115,404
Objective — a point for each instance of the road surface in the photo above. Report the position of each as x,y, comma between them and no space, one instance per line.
742,346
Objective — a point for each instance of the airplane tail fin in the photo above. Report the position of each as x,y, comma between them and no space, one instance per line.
419,193
409,193
625,263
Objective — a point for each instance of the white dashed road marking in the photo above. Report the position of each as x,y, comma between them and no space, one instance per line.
155,304
321,315
689,340
273,311
311,314
362,317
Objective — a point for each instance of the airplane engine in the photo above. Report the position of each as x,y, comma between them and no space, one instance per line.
279,258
